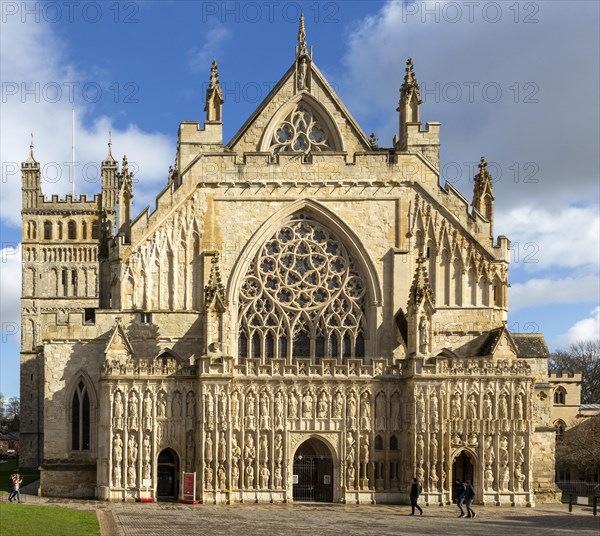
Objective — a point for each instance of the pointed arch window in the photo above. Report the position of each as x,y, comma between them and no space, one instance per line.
80,418
302,289
302,131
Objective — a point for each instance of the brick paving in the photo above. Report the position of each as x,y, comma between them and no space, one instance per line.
381,520
170,519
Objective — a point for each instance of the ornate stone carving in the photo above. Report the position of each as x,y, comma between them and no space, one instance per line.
118,411
301,131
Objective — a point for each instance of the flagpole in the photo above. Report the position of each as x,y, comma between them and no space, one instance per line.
73,152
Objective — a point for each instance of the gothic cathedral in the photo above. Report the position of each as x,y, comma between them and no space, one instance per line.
305,316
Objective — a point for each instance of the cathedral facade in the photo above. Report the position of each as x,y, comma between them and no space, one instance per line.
305,316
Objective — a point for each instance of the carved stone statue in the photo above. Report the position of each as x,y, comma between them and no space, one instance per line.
250,416
278,410
235,410
190,410
263,448
434,411
322,406
250,477
210,411
472,407
222,477
488,450
307,405
249,450
161,406
420,412
223,417
148,412
278,448
222,449
208,477
519,407
433,446
488,407
118,411
278,478
488,478
293,405
365,412
420,448
176,413
503,408
302,74
265,417
503,451
235,475
132,411
146,448
236,450
208,449
351,409
338,405
265,474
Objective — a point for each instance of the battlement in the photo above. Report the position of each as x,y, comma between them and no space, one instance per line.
564,377
77,201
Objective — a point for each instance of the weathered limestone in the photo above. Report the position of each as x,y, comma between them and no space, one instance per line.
298,296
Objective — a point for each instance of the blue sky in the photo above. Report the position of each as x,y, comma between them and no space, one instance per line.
516,82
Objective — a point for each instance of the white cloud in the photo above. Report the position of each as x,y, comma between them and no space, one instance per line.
538,292
200,58
10,288
552,61
587,329
38,96
542,238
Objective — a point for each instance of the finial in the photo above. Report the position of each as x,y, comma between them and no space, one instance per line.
31,159
214,76
373,140
301,37
482,165
410,84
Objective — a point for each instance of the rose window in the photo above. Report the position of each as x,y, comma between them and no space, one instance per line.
300,132
303,296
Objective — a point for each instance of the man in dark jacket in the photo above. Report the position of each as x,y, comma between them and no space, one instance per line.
459,492
469,498
415,491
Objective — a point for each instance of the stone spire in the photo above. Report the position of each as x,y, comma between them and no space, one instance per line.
410,88
214,288
31,159
483,196
410,101
109,156
214,96
301,49
420,289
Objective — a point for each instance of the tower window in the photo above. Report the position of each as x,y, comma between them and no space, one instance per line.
95,230
71,231
47,230
146,318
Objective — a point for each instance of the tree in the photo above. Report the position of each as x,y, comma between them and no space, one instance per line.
584,357
579,447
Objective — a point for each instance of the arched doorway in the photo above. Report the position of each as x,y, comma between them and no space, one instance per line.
463,468
167,472
313,472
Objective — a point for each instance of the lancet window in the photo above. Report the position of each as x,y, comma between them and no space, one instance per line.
303,297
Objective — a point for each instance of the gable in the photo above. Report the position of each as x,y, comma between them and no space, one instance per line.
321,105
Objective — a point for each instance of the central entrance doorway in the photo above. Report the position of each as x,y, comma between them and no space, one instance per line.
462,468
313,472
167,471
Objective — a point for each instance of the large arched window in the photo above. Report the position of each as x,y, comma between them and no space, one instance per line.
80,418
302,296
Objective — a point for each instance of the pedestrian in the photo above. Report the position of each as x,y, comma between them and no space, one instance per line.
415,491
15,480
459,492
11,487
469,497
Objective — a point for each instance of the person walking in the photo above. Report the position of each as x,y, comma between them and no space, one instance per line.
469,498
415,492
16,480
459,492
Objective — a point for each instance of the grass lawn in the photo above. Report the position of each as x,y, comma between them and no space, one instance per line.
27,520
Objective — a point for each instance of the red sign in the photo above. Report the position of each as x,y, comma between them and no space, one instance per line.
189,483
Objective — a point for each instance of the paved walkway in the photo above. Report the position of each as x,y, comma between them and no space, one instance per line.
170,519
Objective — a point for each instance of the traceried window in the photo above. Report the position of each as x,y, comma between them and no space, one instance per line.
303,296
301,131
80,418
